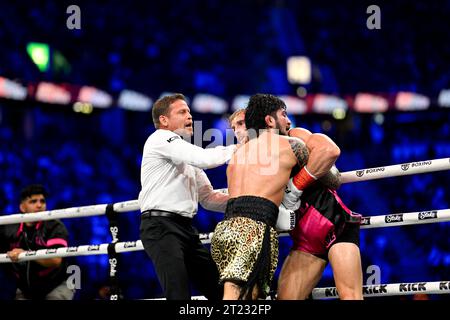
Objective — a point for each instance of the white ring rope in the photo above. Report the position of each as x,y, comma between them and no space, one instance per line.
392,289
133,205
377,290
75,212
396,219
403,219
85,250
396,170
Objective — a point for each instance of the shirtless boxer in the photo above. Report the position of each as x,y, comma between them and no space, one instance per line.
304,266
245,244
326,230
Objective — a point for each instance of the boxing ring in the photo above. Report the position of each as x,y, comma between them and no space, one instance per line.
115,247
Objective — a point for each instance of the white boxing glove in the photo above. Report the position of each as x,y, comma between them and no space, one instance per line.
286,219
291,199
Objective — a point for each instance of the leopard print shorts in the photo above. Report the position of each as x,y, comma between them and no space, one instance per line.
236,247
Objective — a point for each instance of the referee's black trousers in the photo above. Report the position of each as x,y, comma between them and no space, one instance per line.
179,258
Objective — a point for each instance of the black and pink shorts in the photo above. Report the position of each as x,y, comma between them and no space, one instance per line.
324,220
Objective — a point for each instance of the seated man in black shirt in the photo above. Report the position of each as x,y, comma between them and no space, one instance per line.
42,278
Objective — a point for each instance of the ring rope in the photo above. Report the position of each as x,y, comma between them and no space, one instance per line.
371,222
133,205
396,170
84,250
391,289
377,290
75,212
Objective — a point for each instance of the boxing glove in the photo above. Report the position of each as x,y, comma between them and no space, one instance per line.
286,219
295,187
291,198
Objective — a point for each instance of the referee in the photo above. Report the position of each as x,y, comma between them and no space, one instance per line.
173,183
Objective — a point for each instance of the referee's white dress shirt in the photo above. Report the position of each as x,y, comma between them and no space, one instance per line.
172,178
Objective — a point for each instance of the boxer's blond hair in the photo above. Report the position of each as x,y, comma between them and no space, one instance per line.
235,114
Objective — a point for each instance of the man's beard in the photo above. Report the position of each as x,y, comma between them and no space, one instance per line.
281,131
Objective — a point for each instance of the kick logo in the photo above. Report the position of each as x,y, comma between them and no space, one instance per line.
408,287
444,285
382,288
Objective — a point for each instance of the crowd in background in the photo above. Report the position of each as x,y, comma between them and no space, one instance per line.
228,48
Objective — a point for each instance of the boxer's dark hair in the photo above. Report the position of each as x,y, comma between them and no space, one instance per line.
259,106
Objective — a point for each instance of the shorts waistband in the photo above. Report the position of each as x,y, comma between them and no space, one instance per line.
256,208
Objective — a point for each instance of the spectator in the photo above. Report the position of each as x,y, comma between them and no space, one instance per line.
41,278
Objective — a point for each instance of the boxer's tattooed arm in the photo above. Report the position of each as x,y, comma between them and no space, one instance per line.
332,179
300,151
